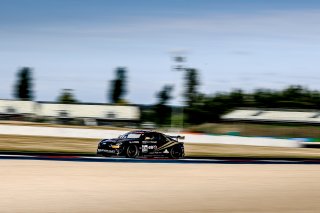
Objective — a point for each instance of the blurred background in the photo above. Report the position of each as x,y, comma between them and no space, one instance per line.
238,78
241,68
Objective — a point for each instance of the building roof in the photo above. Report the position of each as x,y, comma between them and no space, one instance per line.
272,115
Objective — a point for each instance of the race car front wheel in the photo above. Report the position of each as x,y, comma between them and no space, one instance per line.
132,151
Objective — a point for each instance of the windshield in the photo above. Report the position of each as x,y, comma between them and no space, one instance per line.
131,135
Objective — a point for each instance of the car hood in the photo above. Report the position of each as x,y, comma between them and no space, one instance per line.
116,140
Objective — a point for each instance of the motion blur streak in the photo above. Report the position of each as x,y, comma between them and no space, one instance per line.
46,186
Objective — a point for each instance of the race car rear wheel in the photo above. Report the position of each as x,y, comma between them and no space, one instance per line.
176,152
132,151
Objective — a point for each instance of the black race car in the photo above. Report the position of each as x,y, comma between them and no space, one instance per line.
142,143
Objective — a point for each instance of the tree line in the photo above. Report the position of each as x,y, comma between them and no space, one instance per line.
23,88
205,108
209,108
197,108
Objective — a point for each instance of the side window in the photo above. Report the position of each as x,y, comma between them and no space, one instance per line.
147,137
157,137
162,138
11,110
151,137
63,113
111,115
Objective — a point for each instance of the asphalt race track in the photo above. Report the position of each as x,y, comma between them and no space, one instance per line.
38,184
158,160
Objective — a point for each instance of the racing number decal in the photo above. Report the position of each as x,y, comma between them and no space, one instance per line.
144,148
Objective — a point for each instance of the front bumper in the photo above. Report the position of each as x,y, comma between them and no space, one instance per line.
109,150
106,151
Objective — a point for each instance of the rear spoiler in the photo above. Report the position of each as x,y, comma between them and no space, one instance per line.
177,137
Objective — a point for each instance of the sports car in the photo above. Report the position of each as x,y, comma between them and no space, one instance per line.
142,143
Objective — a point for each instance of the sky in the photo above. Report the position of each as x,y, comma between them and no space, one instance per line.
235,44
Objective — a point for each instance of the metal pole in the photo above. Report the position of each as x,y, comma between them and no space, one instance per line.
179,60
182,118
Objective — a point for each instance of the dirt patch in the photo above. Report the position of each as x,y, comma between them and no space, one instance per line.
16,143
47,144
221,150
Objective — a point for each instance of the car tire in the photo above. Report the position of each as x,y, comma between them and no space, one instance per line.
132,151
176,152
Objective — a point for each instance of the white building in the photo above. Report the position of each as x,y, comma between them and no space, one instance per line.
16,107
95,111
79,111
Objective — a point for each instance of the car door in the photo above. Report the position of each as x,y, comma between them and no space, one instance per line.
161,140
149,143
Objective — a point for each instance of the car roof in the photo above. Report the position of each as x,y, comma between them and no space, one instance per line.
143,131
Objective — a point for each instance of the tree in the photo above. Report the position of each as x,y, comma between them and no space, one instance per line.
191,95
23,87
164,96
191,86
161,108
118,86
67,97
236,98
266,98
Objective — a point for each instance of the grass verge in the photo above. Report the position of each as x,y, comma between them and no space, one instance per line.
35,144
272,130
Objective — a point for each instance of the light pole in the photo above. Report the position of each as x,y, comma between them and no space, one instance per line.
179,60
